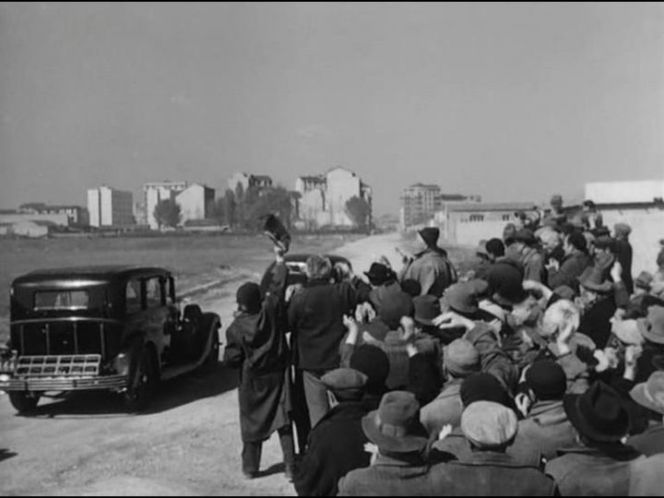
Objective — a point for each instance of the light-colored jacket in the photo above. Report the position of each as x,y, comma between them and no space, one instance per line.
432,270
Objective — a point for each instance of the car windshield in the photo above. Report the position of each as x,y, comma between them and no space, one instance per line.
70,299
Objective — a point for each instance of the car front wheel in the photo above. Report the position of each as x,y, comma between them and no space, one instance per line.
23,401
142,383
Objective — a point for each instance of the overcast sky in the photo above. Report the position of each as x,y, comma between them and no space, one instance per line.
510,101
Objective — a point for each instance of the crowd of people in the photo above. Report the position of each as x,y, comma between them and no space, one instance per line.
537,371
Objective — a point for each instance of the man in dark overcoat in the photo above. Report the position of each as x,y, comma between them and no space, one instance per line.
257,345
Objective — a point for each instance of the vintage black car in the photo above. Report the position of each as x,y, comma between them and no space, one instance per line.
115,328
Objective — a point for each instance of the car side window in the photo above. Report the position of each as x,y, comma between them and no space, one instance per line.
133,296
153,293
170,291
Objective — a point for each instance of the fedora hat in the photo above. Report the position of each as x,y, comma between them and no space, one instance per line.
461,297
378,274
395,427
506,283
598,413
650,393
652,326
592,279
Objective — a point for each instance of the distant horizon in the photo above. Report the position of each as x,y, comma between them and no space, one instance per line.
509,101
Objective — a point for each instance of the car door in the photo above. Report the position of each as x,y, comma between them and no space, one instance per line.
158,313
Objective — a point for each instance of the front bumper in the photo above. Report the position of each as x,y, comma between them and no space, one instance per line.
111,382
56,373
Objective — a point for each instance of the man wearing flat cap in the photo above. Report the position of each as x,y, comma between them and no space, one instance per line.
336,443
487,470
430,267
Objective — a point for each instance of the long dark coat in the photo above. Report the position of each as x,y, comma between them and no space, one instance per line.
256,343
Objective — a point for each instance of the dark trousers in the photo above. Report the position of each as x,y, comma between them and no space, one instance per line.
251,451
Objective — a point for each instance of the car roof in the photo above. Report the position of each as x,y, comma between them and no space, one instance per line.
302,258
100,272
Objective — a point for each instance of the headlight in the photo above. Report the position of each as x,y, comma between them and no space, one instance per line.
121,364
4,378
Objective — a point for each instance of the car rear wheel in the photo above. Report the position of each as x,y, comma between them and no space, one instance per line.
142,383
23,401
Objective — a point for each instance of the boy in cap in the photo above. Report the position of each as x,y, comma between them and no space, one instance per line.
430,267
487,470
257,345
399,467
600,464
336,443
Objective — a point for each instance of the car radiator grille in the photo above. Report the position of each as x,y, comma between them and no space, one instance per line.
58,365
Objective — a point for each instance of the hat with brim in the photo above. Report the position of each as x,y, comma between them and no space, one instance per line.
395,427
591,279
379,273
510,298
461,297
598,413
627,331
652,326
650,394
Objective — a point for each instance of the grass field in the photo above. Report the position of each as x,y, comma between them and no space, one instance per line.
194,260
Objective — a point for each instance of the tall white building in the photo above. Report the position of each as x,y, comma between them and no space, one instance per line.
110,207
156,192
194,202
322,198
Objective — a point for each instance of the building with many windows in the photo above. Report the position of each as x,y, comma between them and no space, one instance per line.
420,202
109,207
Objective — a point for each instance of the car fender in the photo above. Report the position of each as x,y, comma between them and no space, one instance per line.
209,324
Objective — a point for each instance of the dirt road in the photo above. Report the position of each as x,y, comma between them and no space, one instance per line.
188,444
